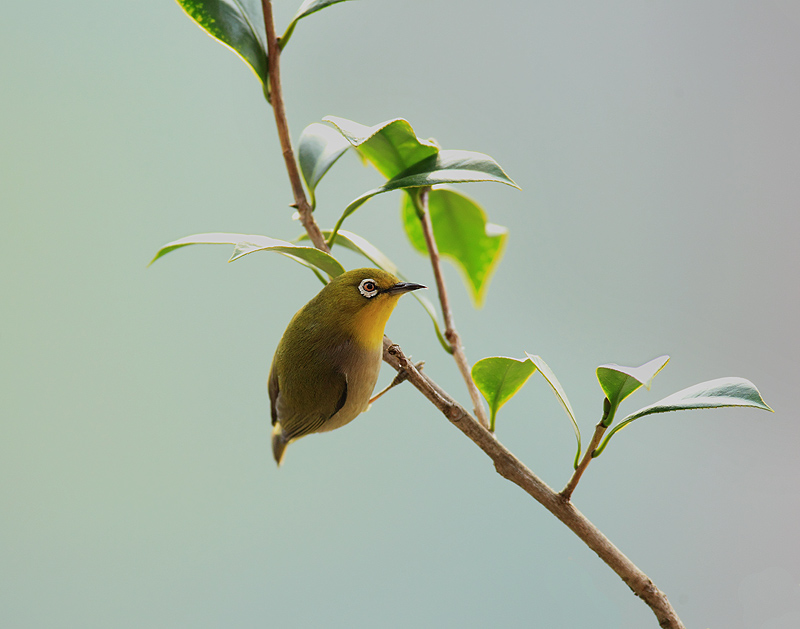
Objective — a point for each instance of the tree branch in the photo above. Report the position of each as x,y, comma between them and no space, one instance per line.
450,332
276,98
511,468
506,464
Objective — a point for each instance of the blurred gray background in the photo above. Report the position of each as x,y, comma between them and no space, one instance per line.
657,145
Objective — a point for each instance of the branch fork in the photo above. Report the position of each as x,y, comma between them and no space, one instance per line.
599,431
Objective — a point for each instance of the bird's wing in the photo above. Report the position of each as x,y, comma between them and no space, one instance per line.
325,396
274,391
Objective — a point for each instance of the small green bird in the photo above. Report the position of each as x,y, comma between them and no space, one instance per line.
327,362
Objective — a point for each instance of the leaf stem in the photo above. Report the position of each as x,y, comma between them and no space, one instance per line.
566,493
282,124
450,332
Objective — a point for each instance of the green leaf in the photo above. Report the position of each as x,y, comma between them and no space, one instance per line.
248,243
449,166
444,167
321,260
548,374
239,24
498,378
463,236
619,382
307,8
360,245
318,149
712,394
390,146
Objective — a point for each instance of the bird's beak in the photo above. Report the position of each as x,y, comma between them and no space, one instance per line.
403,287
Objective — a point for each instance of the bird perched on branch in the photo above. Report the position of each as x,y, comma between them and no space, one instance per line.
327,362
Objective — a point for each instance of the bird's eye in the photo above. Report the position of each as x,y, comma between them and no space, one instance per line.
368,288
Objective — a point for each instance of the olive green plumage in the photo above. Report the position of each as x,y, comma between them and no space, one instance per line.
327,362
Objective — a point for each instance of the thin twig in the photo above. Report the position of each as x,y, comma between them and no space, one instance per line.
450,332
276,98
566,493
400,378
511,468
506,464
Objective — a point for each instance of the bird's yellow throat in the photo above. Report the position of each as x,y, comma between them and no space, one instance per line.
370,322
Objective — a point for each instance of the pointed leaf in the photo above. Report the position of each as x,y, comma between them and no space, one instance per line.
239,24
390,146
356,243
619,382
444,167
318,149
498,378
307,8
321,260
312,6
450,166
717,393
463,236
248,243
360,245
198,239
712,394
548,374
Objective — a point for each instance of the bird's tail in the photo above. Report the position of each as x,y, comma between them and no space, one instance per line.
279,443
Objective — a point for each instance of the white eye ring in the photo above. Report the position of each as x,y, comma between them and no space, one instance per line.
368,288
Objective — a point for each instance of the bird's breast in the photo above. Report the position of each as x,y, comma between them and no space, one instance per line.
361,367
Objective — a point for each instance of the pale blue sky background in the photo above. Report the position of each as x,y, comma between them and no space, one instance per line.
657,145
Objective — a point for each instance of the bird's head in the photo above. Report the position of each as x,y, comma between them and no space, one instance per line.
363,299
